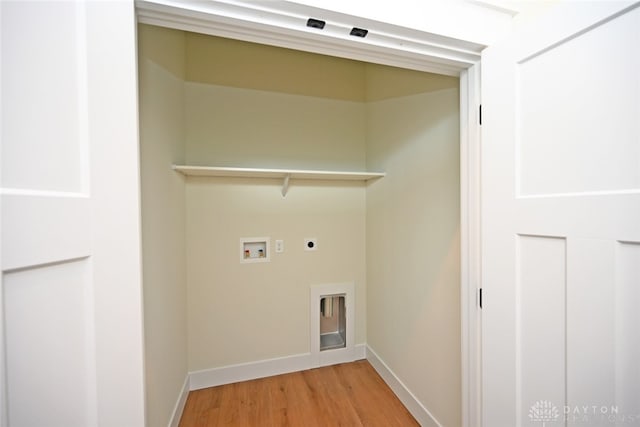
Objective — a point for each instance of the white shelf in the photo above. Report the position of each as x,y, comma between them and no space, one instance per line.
285,174
275,173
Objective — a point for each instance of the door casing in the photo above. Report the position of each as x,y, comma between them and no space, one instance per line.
278,25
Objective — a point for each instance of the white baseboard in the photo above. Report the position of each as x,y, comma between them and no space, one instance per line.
179,408
419,412
249,371
260,369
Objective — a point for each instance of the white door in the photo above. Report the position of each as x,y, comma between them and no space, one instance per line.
71,338
561,220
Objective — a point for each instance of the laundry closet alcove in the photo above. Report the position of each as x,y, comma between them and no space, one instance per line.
393,234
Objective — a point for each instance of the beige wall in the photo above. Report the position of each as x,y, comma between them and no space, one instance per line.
413,245
234,63
383,82
161,68
250,312
229,126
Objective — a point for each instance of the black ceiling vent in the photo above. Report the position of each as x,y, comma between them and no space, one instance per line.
359,32
315,23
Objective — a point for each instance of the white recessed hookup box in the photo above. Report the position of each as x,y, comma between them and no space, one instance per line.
255,249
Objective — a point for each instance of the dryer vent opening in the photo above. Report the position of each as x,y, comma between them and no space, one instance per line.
332,322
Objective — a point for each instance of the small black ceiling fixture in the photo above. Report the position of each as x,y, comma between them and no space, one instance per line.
315,23
358,32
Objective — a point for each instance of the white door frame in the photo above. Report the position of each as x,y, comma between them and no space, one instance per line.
470,244
279,24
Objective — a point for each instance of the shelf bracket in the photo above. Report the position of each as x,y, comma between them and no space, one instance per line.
285,184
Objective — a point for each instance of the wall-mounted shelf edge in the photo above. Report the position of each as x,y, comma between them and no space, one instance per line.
284,174
275,173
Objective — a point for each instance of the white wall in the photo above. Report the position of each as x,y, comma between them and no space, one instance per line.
413,245
478,21
161,71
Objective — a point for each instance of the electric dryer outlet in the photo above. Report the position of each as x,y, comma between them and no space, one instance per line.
311,244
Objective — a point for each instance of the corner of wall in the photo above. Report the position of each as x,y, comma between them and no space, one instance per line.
163,220
178,409
408,399
413,245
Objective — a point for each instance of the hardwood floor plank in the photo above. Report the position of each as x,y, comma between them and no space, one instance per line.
349,394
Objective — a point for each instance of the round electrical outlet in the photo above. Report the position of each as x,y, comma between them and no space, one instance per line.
310,244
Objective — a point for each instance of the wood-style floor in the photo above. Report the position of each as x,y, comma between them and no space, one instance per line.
350,394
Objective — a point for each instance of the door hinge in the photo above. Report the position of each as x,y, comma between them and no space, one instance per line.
480,297
480,115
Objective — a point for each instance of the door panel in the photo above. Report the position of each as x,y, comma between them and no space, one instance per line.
46,243
627,317
590,369
50,346
536,288
71,321
43,55
561,202
569,138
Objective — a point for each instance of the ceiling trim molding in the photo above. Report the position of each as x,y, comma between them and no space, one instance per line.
283,24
